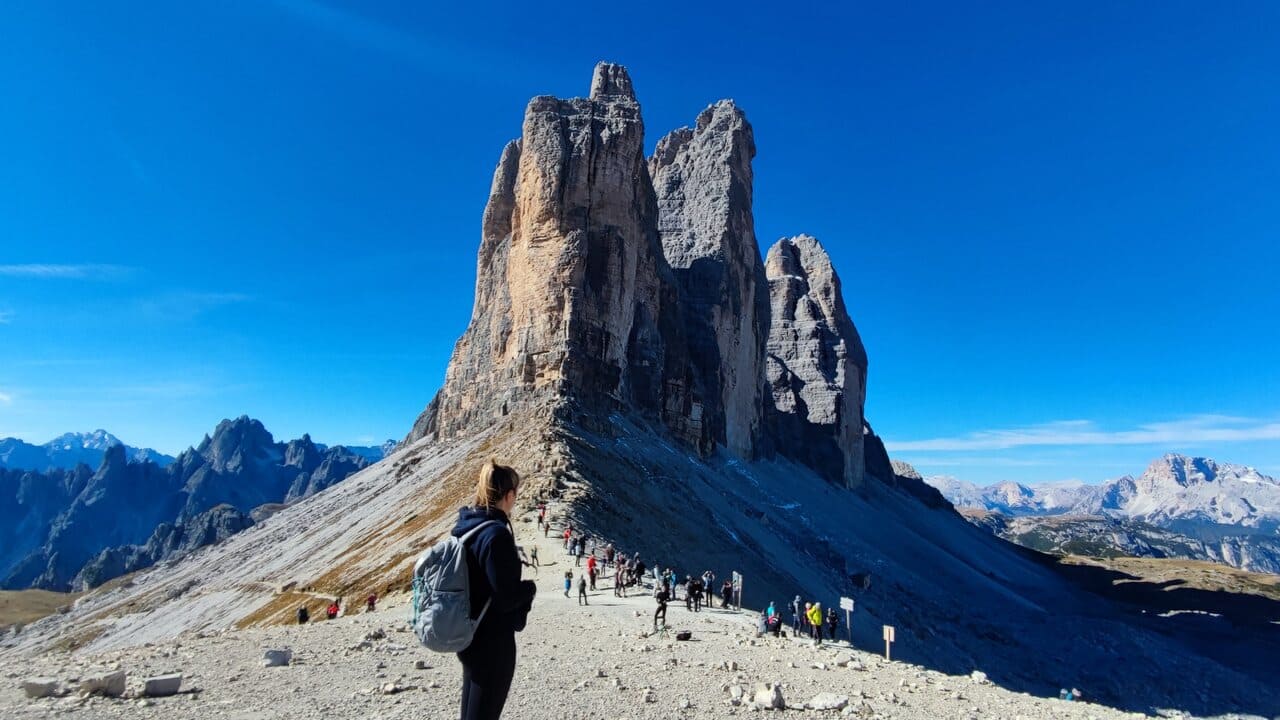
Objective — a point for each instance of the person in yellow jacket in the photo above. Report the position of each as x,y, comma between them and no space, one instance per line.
815,621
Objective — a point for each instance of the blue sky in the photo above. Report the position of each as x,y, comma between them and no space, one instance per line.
1056,225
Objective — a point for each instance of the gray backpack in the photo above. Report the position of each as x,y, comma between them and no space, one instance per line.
442,595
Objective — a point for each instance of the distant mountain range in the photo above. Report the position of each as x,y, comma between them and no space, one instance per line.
1181,506
71,449
74,527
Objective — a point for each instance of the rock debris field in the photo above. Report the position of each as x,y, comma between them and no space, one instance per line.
598,661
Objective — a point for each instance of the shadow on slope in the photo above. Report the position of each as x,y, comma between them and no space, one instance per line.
961,599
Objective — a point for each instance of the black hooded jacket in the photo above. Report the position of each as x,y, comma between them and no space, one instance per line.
493,567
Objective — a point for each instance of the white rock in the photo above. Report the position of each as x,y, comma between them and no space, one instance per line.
978,677
277,658
162,685
111,684
769,697
40,687
827,701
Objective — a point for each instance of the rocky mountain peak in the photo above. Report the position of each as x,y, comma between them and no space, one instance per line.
703,181
609,80
816,366
1180,470
607,282
97,440
236,443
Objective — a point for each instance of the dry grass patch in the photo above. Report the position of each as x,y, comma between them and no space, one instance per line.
19,607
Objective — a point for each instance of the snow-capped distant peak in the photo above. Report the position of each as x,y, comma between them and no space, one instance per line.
1174,488
96,440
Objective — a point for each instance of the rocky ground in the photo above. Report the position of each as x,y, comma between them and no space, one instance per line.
575,662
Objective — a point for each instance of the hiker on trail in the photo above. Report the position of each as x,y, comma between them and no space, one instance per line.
577,552
568,533
303,615
662,593
688,593
591,547
815,621
619,578
638,572
499,598
795,615
371,602
695,590
726,593
533,556
833,621
582,590
591,570
568,581
542,514
608,554
804,620
332,611
709,587
546,528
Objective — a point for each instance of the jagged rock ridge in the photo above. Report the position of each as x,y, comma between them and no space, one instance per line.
607,281
78,528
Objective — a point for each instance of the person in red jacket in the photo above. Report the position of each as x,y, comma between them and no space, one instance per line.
332,611
591,570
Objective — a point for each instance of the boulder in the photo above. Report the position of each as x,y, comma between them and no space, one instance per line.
41,687
277,658
768,696
111,684
827,701
162,685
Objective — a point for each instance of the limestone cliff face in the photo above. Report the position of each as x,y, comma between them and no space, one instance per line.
816,366
703,180
573,296
607,282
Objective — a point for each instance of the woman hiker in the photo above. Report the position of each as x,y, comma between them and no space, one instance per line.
498,596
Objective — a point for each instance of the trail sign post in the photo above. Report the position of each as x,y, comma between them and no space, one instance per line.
888,640
846,604
737,589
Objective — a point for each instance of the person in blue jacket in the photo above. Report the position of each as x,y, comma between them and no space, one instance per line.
493,567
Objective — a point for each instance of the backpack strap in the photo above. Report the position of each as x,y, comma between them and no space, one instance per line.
463,540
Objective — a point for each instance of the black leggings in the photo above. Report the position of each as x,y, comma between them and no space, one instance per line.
487,668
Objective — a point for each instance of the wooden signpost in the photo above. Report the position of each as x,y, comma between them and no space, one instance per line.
888,640
846,604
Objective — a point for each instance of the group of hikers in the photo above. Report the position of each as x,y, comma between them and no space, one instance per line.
806,620
500,600
335,609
